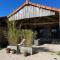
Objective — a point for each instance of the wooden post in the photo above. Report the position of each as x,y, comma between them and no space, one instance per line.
49,31
59,24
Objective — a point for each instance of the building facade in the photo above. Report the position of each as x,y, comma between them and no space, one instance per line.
42,19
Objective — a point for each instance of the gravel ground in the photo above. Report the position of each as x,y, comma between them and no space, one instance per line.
42,55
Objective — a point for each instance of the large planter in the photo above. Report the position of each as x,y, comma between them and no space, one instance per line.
26,50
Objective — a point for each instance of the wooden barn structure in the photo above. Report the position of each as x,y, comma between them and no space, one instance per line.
40,18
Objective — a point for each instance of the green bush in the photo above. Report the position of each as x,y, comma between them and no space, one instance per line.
34,35
28,34
13,33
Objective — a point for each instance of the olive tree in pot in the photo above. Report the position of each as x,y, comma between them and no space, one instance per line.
13,33
28,35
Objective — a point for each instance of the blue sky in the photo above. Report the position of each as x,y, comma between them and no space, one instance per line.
8,6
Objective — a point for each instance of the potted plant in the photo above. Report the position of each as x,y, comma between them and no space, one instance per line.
13,33
27,48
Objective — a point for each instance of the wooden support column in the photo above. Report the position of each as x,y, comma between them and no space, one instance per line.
59,24
49,30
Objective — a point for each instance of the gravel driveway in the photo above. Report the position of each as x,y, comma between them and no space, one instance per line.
39,56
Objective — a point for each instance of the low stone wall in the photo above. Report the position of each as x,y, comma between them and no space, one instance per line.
26,49
12,47
22,49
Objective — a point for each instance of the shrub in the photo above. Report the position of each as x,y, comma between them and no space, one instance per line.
13,33
28,34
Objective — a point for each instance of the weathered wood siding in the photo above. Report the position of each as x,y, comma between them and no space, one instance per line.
31,11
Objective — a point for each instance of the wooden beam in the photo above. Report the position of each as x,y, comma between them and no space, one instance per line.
40,23
53,19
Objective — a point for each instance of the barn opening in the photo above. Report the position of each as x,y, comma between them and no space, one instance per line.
47,27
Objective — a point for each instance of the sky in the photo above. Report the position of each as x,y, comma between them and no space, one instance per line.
8,6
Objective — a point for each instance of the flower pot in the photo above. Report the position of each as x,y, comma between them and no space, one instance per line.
28,50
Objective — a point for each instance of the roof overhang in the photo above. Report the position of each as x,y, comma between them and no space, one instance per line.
36,5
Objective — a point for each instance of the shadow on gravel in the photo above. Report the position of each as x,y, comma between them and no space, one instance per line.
40,49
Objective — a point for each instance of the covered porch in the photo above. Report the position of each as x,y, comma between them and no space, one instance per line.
47,27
